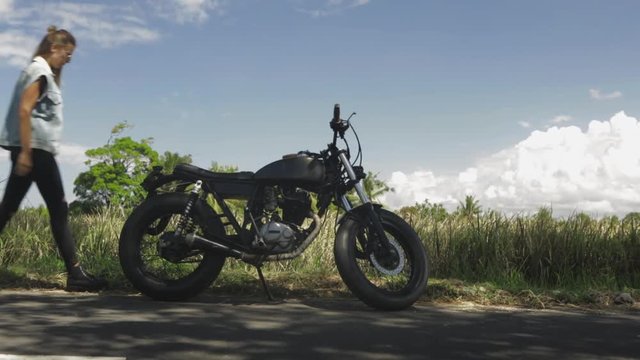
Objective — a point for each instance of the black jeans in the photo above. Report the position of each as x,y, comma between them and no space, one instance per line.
46,175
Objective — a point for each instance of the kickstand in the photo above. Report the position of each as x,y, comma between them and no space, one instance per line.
264,283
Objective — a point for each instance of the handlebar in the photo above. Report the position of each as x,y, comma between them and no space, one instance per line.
336,113
338,125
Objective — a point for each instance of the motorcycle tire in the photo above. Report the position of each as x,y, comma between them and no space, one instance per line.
188,272
394,284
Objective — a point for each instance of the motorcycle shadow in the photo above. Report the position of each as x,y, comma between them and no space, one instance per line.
333,303
324,295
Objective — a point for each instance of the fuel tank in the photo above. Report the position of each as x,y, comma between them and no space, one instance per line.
293,169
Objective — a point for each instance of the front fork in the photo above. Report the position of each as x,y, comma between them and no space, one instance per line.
374,219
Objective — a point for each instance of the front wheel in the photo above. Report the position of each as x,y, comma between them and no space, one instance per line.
386,280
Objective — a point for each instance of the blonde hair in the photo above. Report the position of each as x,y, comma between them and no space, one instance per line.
54,36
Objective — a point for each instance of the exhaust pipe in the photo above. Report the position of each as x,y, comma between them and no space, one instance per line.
199,242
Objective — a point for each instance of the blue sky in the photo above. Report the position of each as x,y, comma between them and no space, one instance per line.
521,104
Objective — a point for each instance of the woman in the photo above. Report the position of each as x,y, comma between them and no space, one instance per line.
31,133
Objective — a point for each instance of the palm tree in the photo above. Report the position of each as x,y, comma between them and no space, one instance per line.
373,187
470,207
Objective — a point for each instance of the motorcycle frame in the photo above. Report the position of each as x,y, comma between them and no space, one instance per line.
225,187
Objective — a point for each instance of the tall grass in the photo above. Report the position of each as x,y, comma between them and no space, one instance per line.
24,241
27,245
97,240
536,250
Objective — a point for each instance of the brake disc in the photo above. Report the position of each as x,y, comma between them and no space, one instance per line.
401,260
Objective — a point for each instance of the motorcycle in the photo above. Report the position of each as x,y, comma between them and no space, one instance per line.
174,244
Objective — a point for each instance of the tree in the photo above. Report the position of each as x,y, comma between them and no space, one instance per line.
373,187
631,217
470,207
169,160
434,211
115,171
215,167
425,210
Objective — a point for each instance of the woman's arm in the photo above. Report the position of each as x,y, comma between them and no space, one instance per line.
27,103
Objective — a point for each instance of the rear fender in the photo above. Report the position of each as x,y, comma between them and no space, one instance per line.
203,213
157,179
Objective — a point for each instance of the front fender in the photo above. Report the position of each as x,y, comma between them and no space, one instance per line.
362,215
359,213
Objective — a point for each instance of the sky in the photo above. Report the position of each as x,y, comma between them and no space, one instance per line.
522,104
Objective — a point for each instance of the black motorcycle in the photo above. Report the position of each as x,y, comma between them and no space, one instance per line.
174,244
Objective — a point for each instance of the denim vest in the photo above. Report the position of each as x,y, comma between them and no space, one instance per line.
46,117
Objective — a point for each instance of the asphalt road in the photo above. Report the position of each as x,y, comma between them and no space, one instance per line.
134,327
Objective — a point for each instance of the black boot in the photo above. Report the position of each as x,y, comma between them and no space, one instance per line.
79,280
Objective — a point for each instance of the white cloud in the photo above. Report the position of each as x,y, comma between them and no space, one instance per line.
348,3
333,7
561,118
596,170
524,124
187,11
103,25
16,48
597,95
72,154
468,176
416,187
6,6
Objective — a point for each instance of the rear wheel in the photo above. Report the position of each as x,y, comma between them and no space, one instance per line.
384,279
156,261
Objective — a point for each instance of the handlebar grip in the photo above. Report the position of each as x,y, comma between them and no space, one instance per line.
336,113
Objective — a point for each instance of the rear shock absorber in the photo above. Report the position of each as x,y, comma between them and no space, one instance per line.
185,224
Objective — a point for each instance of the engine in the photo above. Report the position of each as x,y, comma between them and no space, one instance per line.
277,237
296,205
280,231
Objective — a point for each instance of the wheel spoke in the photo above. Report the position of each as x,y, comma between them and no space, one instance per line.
154,262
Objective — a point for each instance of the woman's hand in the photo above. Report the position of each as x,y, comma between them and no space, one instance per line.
24,163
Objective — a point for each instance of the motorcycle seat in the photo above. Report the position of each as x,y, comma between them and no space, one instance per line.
202,174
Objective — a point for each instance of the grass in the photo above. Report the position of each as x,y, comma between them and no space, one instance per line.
527,260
